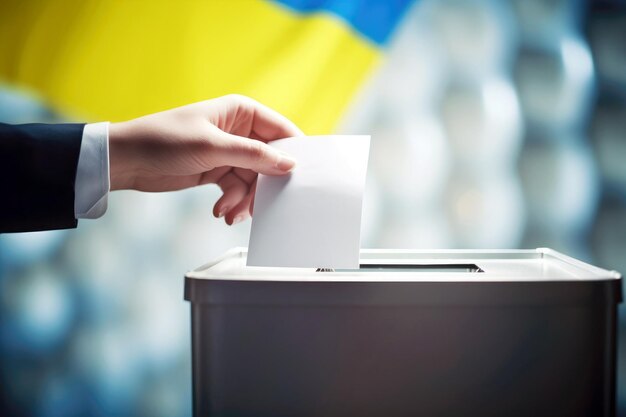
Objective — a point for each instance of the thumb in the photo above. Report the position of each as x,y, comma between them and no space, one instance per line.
251,154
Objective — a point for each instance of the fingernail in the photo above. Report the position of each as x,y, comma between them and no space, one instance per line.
285,162
222,212
237,219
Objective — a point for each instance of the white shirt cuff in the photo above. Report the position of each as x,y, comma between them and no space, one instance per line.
92,184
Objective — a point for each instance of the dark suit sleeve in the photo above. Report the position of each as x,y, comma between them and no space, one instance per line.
37,172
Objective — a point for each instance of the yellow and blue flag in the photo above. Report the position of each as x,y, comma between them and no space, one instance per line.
115,60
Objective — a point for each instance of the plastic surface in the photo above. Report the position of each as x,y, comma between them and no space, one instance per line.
527,333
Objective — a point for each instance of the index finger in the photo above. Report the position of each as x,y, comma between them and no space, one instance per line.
268,124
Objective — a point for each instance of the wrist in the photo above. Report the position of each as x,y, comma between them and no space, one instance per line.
121,166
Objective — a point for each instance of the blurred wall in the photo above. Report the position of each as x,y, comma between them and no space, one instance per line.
494,125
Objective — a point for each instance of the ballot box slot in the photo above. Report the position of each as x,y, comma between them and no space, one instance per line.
409,268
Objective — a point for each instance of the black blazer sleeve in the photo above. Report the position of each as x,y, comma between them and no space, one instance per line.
37,172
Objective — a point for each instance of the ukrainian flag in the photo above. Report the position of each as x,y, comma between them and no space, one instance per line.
115,60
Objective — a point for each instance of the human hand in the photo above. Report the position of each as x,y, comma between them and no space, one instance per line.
220,141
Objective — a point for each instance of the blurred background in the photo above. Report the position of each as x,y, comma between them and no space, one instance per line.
494,125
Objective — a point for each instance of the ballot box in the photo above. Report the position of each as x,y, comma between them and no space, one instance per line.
409,333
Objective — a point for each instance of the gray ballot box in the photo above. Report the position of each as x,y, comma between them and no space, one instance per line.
409,333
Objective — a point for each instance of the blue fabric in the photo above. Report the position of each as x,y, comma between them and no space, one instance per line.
374,19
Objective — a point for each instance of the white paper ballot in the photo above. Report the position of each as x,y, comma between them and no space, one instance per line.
311,218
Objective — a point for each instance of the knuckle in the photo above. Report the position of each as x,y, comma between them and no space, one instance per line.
257,151
243,101
236,98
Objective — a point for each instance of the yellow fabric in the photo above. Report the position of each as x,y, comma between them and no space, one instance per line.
115,60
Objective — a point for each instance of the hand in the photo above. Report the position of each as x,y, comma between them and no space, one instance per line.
220,141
